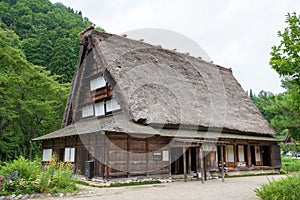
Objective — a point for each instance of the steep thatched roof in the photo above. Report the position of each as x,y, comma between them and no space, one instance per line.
159,86
162,88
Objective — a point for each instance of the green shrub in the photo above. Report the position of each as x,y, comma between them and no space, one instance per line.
18,176
294,164
56,177
282,189
25,176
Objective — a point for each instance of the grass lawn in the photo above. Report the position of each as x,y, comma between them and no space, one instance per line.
293,164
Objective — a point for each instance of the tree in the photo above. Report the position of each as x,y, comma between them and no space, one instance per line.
43,27
63,60
285,59
32,102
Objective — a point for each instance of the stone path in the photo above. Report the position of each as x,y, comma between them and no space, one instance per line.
232,188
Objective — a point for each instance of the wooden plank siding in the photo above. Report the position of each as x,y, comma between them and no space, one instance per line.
123,155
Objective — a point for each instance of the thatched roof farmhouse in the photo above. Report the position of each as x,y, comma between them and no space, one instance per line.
138,109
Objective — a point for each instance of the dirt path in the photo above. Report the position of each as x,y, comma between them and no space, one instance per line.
232,188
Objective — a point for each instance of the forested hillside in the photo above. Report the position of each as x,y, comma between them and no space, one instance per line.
38,39
48,33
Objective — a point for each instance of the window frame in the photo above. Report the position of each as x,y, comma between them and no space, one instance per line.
69,154
49,155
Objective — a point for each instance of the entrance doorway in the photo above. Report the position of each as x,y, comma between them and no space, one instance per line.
266,156
177,160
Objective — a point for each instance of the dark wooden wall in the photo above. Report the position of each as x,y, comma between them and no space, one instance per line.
114,154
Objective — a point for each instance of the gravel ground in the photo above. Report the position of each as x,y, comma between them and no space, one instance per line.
232,188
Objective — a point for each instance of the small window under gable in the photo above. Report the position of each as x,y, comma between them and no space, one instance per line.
88,111
99,109
47,154
97,83
112,105
69,155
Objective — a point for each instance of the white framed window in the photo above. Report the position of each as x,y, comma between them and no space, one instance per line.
229,153
165,155
241,153
87,111
112,105
97,83
47,154
69,155
99,109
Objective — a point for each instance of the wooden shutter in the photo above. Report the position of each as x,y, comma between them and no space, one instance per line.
276,158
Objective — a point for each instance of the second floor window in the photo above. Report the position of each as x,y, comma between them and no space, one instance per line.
97,83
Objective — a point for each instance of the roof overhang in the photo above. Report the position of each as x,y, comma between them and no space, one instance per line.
119,124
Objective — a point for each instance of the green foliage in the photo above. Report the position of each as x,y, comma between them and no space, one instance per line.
18,176
293,164
285,59
24,176
275,109
56,177
45,28
32,102
282,189
134,183
120,184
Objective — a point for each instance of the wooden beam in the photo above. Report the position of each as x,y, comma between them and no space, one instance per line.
107,158
222,162
128,156
147,157
190,162
103,161
204,166
184,164
235,149
249,155
201,163
197,163
170,161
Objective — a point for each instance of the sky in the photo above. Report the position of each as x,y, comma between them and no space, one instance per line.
236,34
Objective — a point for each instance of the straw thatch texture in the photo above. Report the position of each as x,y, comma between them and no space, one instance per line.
158,86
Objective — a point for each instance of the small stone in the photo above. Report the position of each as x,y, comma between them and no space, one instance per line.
55,195
2,197
19,196
12,196
49,195
26,196
69,194
38,195
32,196
80,193
91,192
61,195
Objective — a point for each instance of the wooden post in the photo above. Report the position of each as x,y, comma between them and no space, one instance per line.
107,158
184,164
249,155
222,163
128,156
235,149
190,162
170,161
202,164
197,163
147,158
104,157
